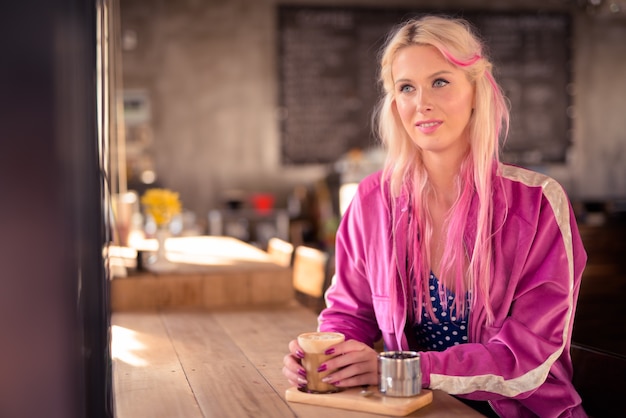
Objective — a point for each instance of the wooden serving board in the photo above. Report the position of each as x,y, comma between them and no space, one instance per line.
352,399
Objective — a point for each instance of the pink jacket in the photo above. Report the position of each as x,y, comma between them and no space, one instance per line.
521,363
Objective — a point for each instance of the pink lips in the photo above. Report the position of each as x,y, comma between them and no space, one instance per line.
428,126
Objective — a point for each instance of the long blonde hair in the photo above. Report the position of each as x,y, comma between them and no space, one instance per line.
404,169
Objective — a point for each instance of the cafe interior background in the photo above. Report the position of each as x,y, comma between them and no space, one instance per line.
191,97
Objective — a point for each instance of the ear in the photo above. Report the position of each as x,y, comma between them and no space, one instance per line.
394,106
394,111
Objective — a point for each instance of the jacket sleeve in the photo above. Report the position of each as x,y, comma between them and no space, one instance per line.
538,266
349,299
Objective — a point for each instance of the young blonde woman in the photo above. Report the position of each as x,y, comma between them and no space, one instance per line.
475,263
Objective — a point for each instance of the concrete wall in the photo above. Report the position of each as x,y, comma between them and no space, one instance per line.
209,68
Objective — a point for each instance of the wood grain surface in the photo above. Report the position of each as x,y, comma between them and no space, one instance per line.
221,363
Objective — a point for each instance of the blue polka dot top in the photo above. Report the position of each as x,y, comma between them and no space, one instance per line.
450,330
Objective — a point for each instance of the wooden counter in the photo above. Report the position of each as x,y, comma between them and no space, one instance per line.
208,272
219,363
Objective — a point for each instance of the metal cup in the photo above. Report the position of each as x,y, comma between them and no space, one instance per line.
399,373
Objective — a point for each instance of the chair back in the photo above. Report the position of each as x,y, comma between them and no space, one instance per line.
600,379
309,271
280,251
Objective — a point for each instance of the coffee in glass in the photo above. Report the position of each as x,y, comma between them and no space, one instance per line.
314,346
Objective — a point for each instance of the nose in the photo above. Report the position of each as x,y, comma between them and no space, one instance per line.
423,101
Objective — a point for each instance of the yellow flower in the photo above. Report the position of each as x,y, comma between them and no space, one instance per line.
161,204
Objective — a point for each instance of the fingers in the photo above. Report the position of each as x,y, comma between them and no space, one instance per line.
356,364
356,374
350,352
295,349
350,346
292,369
367,379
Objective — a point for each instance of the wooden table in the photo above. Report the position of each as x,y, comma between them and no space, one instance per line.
221,363
209,272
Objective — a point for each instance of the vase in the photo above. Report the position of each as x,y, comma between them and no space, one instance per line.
158,261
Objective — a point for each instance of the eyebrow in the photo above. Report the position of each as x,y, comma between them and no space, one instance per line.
434,75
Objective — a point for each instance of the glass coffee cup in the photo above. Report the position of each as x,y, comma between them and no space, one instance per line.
314,346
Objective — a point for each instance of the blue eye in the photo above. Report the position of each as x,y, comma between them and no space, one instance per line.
440,82
406,88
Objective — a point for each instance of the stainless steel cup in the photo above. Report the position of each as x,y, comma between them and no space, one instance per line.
399,373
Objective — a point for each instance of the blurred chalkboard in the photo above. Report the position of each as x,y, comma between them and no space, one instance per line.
328,63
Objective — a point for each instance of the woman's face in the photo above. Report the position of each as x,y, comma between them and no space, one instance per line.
434,100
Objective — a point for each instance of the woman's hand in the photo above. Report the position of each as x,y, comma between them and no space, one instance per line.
357,365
